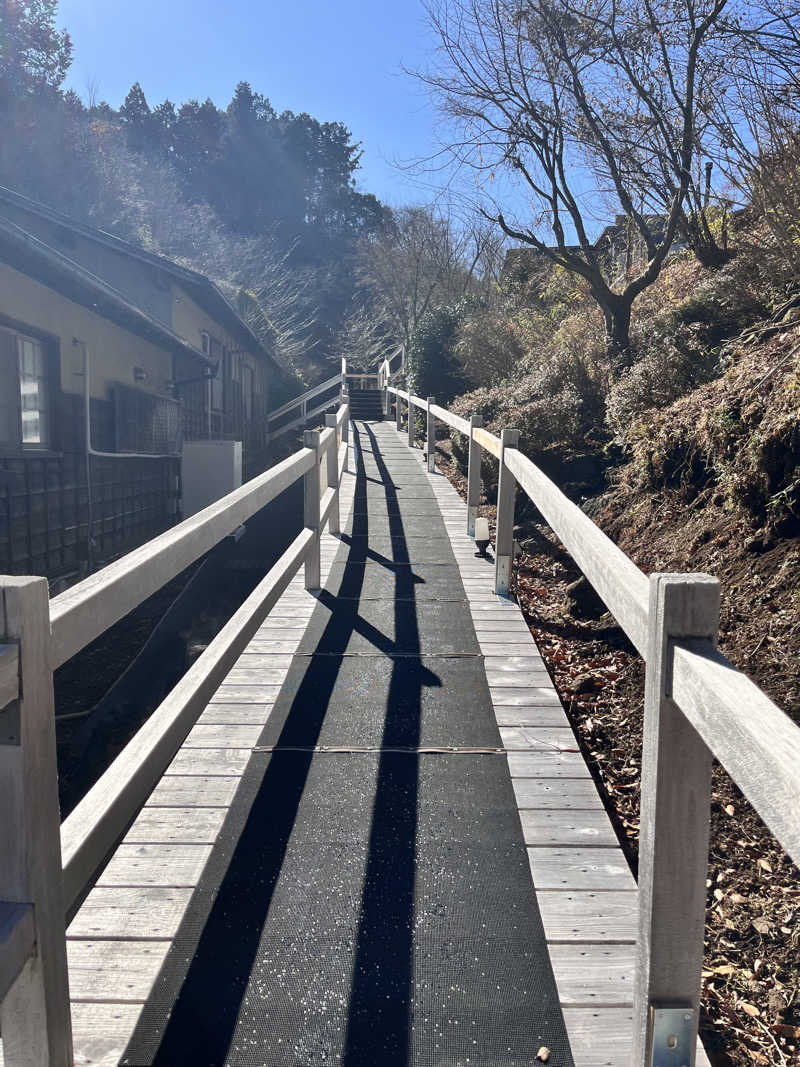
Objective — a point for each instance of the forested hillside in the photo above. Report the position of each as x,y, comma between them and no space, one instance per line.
264,203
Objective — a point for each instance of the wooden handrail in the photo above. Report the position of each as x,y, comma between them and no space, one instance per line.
89,608
304,397
50,872
91,830
617,579
487,440
754,740
454,421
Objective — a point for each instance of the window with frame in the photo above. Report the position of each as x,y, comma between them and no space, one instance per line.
25,395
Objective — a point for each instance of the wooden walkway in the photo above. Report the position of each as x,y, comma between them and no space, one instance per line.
120,937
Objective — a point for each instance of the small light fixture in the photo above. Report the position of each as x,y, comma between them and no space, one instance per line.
139,374
481,536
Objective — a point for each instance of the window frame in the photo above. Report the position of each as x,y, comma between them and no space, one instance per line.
50,359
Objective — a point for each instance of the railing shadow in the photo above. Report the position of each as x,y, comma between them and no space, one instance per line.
379,1016
203,1020
203,1023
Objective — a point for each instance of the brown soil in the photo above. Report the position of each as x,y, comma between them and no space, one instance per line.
751,976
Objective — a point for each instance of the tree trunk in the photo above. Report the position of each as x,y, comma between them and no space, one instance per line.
617,312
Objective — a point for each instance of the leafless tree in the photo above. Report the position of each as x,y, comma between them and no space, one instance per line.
421,258
753,112
574,95
364,340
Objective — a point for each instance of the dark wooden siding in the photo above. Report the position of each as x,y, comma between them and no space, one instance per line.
44,499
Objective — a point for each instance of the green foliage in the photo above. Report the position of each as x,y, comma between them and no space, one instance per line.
34,55
433,369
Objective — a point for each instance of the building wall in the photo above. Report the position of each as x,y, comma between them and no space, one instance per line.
44,497
113,351
191,321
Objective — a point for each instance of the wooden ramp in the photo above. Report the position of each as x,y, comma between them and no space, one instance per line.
120,937
586,895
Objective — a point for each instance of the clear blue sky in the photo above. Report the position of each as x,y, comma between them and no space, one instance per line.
338,60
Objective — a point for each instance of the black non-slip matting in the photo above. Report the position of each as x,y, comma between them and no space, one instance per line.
383,627
381,547
433,701
390,580
368,909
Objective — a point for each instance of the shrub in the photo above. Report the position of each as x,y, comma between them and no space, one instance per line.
433,369
665,370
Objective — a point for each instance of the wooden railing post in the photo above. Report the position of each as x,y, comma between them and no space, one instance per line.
398,415
674,828
35,1014
334,519
346,434
343,390
412,422
430,445
311,511
473,475
504,534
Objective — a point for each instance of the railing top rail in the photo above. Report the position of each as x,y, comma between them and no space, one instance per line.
487,440
308,395
617,579
754,740
99,819
88,609
455,421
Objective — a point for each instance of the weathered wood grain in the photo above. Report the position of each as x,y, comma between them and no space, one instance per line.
206,761
235,714
183,791
588,974
536,738
578,916
177,826
579,868
547,765
566,794
220,736
164,865
101,1032
114,971
125,913
532,696
514,715
590,829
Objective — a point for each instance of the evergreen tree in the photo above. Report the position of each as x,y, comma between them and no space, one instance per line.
34,55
